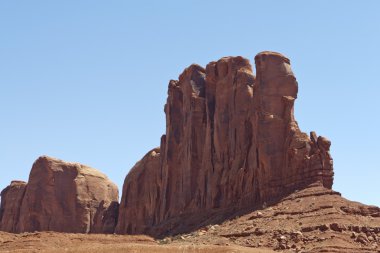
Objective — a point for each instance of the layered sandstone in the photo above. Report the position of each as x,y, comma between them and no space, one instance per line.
314,219
62,197
231,143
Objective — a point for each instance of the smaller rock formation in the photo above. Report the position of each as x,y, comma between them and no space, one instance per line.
11,199
62,197
141,177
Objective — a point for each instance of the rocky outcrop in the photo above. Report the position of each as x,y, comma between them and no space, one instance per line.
11,200
62,197
141,194
314,219
231,143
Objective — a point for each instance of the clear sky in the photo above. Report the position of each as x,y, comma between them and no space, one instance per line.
86,81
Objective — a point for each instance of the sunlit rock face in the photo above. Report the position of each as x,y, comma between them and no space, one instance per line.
62,197
231,143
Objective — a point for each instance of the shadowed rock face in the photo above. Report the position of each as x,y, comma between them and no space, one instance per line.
62,197
231,143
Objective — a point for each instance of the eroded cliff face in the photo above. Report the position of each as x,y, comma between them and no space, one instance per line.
62,197
231,143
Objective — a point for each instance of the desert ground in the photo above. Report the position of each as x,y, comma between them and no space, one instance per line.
312,220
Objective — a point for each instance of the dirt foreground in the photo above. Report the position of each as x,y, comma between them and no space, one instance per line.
312,220
78,243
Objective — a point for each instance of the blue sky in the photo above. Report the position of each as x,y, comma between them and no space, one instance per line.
86,81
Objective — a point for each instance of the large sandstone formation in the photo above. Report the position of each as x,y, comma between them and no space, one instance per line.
231,143
60,196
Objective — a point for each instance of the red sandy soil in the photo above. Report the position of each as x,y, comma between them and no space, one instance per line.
61,242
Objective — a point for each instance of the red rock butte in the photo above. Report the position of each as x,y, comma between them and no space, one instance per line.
233,168
231,144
